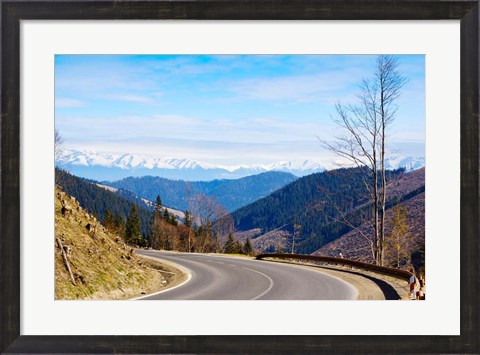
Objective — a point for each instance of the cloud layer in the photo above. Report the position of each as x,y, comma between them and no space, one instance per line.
237,109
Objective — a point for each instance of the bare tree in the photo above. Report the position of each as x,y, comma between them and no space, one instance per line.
363,142
212,219
390,82
58,146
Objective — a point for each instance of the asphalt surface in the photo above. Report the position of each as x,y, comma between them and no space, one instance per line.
214,277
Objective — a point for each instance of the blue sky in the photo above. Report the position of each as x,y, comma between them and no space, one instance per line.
222,109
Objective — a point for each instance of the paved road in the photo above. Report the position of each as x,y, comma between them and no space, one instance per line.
216,277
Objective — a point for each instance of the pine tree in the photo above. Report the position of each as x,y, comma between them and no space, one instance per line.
247,247
158,207
238,248
166,216
109,221
132,227
158,201
230,247
188,219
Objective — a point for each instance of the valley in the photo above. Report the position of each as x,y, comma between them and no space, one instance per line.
306,215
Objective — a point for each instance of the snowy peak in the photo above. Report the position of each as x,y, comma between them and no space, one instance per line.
125,161
409,163
104,166
133,161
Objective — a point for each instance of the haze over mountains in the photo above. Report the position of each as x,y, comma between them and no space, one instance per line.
110,167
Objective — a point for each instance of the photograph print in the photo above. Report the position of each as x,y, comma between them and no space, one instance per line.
240,177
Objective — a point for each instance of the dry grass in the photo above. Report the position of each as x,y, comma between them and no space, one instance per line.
102,265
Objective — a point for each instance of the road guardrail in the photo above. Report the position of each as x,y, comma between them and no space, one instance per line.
402,274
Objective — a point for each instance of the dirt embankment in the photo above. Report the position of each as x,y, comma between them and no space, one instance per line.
93,264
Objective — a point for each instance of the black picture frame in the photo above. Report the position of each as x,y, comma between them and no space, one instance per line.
12,12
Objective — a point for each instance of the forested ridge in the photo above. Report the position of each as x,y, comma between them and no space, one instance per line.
315,202
97,200
231,194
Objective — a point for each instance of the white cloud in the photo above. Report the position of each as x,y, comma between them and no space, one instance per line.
297,89
67,102
132,98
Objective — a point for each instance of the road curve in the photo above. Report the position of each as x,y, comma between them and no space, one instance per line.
215,277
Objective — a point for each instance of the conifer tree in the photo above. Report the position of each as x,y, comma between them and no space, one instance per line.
247,247
132,227
230,246
166,215
108,221
188,219
238,248
158,207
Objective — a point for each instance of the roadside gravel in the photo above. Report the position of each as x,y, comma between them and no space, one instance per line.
173,274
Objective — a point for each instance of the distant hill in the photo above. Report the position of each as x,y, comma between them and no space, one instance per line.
96,199
316,202
231,194
143,202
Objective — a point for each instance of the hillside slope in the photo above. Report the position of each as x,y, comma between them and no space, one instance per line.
353,246
102,266
97,199
315,202
231,194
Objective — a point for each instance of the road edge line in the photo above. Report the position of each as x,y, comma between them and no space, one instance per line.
267,290
181,268
308,267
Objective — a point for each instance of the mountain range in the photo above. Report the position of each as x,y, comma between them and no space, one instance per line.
316,204
230,193
110,167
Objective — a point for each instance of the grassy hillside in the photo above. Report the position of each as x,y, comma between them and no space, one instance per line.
102,266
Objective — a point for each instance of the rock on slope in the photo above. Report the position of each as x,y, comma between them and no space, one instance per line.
102,266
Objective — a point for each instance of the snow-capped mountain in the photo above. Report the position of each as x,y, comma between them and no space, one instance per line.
104,166
409,163
125,161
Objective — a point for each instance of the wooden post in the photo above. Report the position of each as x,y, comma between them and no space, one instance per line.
65,260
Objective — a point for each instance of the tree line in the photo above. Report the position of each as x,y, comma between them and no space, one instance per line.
201,231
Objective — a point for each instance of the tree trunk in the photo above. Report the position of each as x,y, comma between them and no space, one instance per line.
375,211
382,168
65,260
